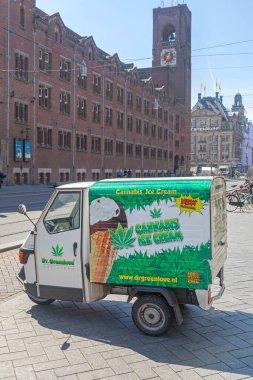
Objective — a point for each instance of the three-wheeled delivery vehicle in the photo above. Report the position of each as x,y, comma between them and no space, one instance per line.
160,240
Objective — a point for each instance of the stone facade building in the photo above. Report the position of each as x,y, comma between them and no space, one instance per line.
58,124
216,132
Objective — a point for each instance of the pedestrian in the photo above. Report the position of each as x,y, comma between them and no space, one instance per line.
129,173
249,175
2,176
125,173
120,173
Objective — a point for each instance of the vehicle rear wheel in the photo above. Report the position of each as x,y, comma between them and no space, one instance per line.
40,301
152,314
232,202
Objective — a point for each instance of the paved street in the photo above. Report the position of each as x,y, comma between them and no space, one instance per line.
99,341
13,226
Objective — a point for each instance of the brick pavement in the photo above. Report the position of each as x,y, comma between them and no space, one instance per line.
99,341
9,266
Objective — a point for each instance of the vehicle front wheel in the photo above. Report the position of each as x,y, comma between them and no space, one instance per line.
152,314
40,301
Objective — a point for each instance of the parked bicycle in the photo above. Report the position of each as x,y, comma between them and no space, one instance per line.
240,197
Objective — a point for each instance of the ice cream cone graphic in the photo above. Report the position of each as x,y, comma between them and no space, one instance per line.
105,217
103,254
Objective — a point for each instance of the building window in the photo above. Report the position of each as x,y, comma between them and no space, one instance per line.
119,148
96,111
129,149
159,154
130,99
146,107
57,33
120,95
21,67
44,137
64,139
81,108
108,116
120,120
65,103
153,130
177,124
45,60
109,90
22,15
91,54
81,79
166,117
146,152
153,153
108,146
96,84
165,155
65,69
138,151
177,144
45,96
21,113
95,144
138,103
129,123
159,132
81,142
146,128
160,113
138,126
165,134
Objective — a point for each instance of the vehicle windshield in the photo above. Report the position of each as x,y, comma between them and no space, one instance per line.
64,213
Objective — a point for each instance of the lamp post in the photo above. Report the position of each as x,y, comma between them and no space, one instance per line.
83,72
156,107
8,97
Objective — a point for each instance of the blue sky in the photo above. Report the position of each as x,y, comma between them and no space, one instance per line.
126,27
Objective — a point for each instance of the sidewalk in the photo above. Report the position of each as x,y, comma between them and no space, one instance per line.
75,341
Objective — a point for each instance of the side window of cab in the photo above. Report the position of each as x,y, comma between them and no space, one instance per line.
64,213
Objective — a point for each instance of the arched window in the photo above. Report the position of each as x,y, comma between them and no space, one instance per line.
22,15
169,33
91,54
57,33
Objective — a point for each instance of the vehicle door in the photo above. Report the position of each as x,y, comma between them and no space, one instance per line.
58,242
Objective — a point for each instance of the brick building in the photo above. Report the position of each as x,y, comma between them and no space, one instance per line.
59,124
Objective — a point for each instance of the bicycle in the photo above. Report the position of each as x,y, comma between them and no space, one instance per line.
240,197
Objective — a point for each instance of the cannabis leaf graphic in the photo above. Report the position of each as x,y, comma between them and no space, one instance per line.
57,250
120,239
156,213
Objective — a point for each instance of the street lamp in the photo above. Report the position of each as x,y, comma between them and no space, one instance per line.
156,108
83,69
83,73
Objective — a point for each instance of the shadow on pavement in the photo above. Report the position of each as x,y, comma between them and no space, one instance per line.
208,340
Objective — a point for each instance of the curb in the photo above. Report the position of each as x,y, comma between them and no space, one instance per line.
9,246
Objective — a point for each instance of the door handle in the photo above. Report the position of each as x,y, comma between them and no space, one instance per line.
74,248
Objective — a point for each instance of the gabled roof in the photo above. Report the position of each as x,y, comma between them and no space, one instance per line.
212,104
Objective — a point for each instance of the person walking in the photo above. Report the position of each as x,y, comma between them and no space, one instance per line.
249,175
129,173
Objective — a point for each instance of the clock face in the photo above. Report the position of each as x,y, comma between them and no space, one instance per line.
168,57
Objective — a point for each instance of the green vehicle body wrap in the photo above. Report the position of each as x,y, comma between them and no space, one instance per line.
151,232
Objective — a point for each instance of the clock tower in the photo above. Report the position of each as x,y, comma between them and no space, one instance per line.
172,49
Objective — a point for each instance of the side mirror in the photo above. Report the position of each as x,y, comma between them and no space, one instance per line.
22,209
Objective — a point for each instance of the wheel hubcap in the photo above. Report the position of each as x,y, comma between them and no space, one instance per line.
152,316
